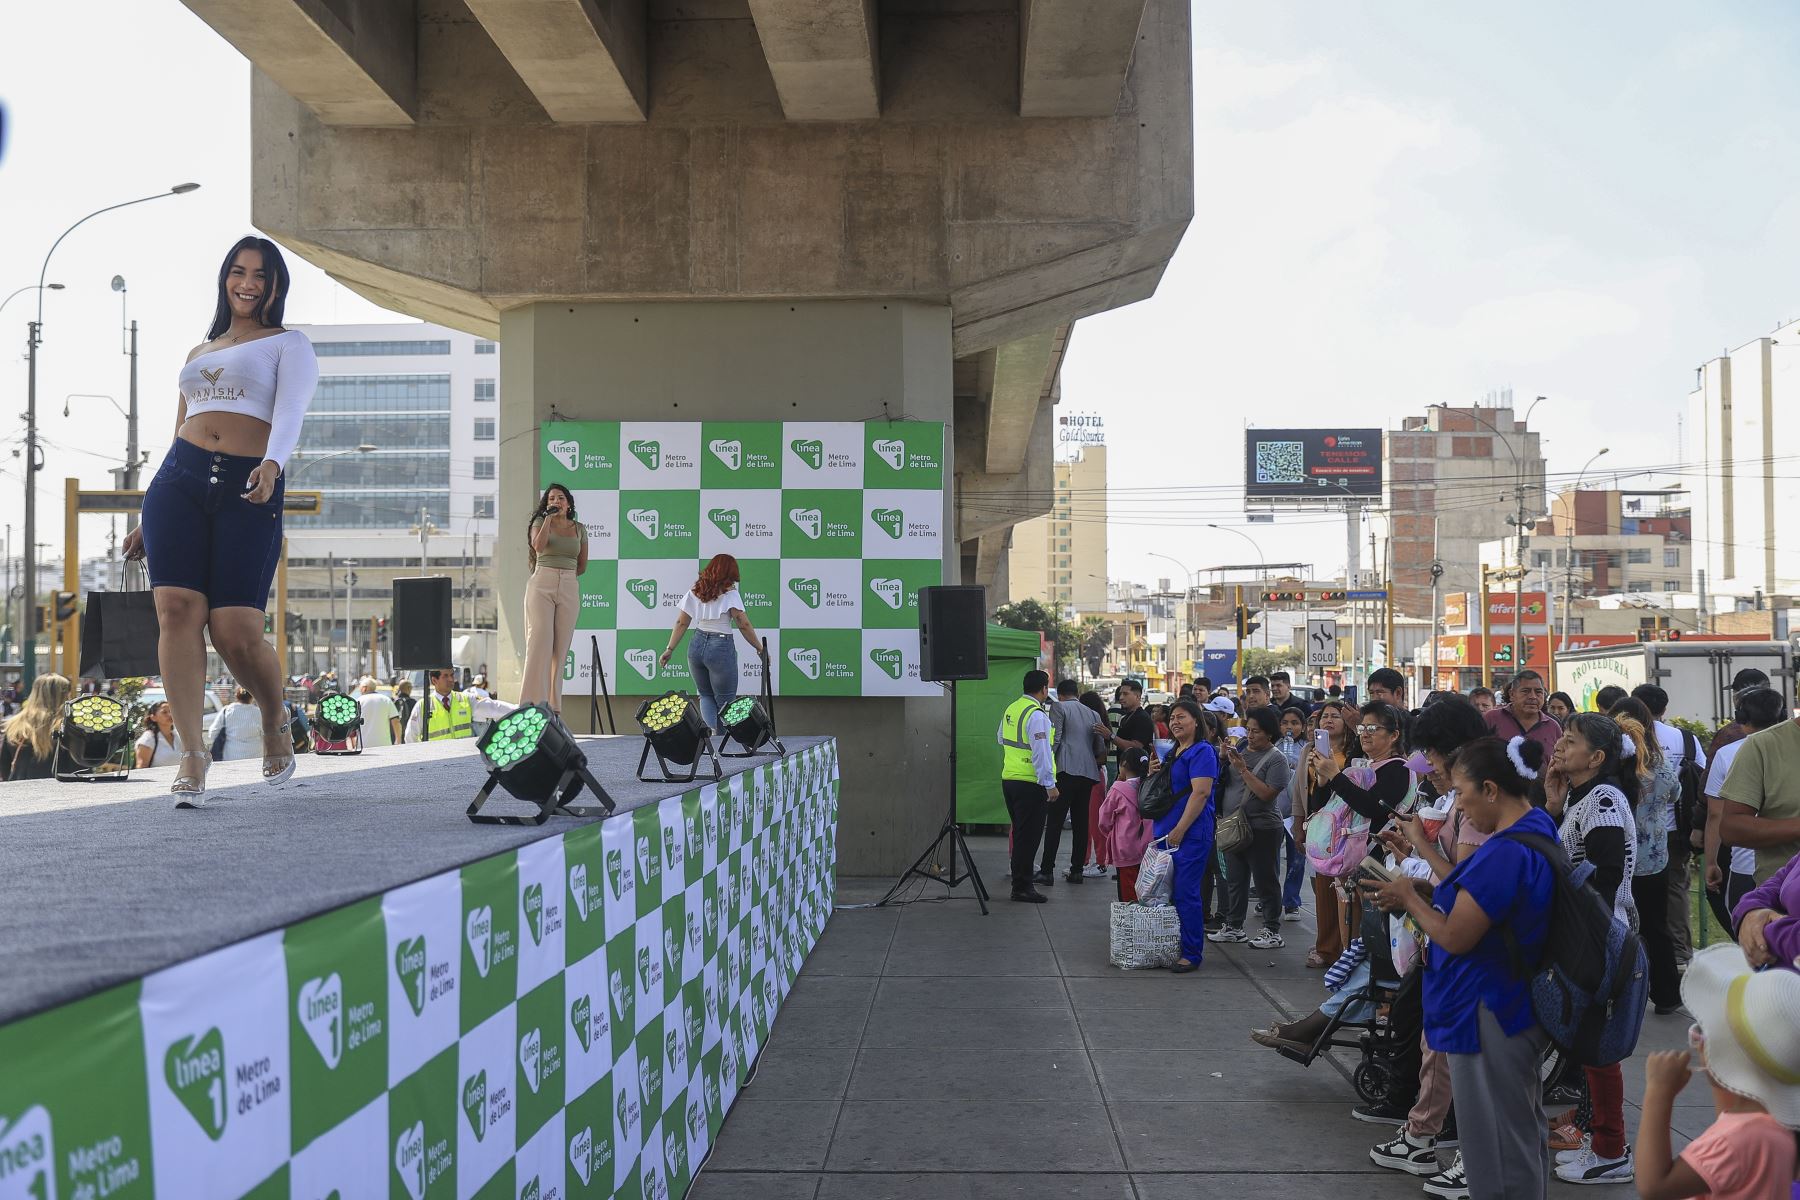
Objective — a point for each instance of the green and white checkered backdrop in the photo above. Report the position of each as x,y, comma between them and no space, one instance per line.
568,1020
836,526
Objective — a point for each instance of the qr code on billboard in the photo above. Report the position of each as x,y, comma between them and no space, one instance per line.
1280,462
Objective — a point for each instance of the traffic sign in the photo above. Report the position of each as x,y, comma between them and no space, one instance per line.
1378,594
1321,642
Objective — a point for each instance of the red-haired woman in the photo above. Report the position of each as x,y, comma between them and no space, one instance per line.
713,606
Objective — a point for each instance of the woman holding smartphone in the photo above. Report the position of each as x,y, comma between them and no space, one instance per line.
558,556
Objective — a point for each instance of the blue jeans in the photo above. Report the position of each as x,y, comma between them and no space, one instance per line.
712,657
201,534
1296,870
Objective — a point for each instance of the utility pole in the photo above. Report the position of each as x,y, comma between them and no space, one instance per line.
28,641
350,646
1437,575
129,477
331,592
1487,656
1519,540
1352,569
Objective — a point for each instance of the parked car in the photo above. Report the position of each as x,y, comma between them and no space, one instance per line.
210,708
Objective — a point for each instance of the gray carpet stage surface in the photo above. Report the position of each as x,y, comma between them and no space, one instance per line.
103,883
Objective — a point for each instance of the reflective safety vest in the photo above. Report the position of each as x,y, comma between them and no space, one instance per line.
1015,749
451,717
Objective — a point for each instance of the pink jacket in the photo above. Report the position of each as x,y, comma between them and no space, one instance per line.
1127,834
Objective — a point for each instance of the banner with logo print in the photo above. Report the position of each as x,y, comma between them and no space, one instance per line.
570,1019
836,525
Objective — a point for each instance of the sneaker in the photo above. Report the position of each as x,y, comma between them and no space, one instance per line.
1415,1156
1588,1167
1228,933
1381,1113
1044,879
1267,939
1452,1184
1093,871
1290,914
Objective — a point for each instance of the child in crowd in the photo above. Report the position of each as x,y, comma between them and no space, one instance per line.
1126,833
1748,1036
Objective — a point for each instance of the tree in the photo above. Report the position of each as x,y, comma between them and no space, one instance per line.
1258,661
1096,635
1064,639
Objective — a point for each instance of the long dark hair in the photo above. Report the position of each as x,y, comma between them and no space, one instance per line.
1485,760
272,305
538,513
1602,733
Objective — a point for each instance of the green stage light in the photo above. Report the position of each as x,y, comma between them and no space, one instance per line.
674,731
94,728
337,717
532,754
748,723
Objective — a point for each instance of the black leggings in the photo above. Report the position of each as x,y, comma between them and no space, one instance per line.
1651,893
1259,858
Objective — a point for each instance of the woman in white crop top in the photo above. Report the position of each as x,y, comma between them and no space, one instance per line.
211,529
713,606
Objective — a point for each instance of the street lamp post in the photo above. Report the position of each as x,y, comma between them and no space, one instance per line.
298,470
1569,555
1260,558
33,337
1187,585
128,346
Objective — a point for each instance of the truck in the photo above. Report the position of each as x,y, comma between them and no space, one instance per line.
1696,674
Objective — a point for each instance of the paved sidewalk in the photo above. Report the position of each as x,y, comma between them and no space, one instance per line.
928,1051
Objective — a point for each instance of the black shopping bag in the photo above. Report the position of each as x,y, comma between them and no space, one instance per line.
119,633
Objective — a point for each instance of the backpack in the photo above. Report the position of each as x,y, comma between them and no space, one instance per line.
1591,981
1690,806
1337,836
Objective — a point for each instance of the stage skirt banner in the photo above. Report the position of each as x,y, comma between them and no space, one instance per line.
569,1020
836,525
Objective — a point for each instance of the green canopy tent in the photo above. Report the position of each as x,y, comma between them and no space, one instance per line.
979,703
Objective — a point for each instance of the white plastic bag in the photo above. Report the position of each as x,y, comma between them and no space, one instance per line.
1144,938
1156,875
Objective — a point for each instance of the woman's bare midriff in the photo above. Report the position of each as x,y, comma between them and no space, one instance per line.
227,433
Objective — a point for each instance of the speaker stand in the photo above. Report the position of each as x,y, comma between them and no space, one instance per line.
599,672
949,841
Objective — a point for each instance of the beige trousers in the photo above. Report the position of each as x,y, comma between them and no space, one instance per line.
552,601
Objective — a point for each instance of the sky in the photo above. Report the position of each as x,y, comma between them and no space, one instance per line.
1396,204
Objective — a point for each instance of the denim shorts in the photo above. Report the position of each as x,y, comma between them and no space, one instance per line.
201,534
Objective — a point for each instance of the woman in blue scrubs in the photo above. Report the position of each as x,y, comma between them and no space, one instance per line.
1187,827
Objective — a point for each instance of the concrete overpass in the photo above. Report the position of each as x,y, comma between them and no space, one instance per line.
763,209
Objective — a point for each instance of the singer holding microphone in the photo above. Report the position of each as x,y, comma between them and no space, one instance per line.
713,606
559,554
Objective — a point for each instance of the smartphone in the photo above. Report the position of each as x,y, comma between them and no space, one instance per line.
1322,742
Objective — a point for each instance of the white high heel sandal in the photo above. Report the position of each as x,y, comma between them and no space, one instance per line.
189,791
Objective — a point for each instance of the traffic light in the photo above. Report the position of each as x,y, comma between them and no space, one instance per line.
268,622
381,632
37,619
65,606
1246,626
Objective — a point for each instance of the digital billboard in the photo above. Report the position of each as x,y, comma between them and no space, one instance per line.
1311,464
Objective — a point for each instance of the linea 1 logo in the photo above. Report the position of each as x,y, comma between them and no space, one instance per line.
531,1190
806,660
479,929
531,1059
642,661
409,967
644,590
581,1019
624,998
725,520
646,521
578,889
892,520
320,1007
809,521
888,660
807,590
581,1155
474,1102
28,1155
615,873
729,451
409,1159
889,591
568,453
195,1072
810,451
891,451
646,451
532,900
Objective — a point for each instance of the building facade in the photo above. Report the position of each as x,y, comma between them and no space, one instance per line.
1060,559
1743,415
402,434
1454,478
1603,543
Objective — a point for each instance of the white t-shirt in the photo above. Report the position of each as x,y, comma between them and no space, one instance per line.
165,755
378,712
712,616
1743,858
1673,748
243,731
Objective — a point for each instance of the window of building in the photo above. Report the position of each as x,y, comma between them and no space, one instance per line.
484,429
1671,585
1562,558
1540,558
373,508
484,467
1671,558
381,393
1612,558
485,389
1577,625
1638,557
483,508
483,346
378,349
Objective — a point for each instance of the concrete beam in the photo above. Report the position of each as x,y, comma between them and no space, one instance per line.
584,60
823,56
1024,373
1074,54
353,62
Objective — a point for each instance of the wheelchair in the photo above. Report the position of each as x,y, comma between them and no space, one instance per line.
1372,1037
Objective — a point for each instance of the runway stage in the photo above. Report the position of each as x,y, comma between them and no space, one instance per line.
343,983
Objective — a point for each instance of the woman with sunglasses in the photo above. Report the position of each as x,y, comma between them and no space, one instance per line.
1378,732
1335,718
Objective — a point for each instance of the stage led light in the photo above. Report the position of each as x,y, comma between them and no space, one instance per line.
532,754
337,717
748,723
674,731
94,729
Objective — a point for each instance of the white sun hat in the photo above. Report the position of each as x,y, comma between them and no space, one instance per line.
1751,1020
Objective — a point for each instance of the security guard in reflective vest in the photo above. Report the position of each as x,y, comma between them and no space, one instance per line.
453,712
1028,777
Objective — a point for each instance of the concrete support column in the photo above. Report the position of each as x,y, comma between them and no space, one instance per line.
846,360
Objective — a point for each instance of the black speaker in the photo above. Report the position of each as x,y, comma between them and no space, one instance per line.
421,622
953,632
